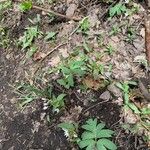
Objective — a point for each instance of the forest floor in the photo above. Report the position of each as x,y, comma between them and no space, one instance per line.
88,63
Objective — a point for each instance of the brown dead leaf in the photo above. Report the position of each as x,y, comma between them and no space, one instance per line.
38,56
91,83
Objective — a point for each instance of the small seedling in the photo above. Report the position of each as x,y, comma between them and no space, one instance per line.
70,70
25,5
109,49
118,9
29,35
57,102
115,30
131,34
96,137
84,25
31,51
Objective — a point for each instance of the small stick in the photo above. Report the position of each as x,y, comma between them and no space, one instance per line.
51,11
147,38
94,106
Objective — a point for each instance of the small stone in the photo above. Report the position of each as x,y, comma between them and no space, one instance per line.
105,96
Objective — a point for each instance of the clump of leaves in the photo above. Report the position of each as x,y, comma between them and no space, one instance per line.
29,35
57,102
70,70
109,49
70,130
118,9
25,5
96,137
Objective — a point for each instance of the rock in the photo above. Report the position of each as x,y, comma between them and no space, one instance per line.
105,96
114,90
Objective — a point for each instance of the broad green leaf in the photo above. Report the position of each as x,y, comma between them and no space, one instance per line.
65,70
85,143
104,133
91,146
88,135
119,85
107,143
92,122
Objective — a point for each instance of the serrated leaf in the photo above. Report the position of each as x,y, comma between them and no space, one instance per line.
87,135
100,126
61,82
92,122
85,143
107,144
70,80
104,133
88,127
99,146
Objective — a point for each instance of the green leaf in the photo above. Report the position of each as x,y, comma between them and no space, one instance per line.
104,133
61,82
88,135
85,143
61,96
107,144
134,108
70,80
50,36
100,126
99,146
68,126
25,6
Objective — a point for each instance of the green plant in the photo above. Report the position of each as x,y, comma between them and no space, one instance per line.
109,49
31,51
57,102
131,34
118,9
96,137
115,29
70,130
29,35
84,25
25,5
70,70
126,91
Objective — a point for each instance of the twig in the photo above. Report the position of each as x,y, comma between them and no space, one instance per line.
52,12
94,106
50,52
147,37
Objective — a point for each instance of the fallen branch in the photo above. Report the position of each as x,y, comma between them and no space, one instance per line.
51,11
